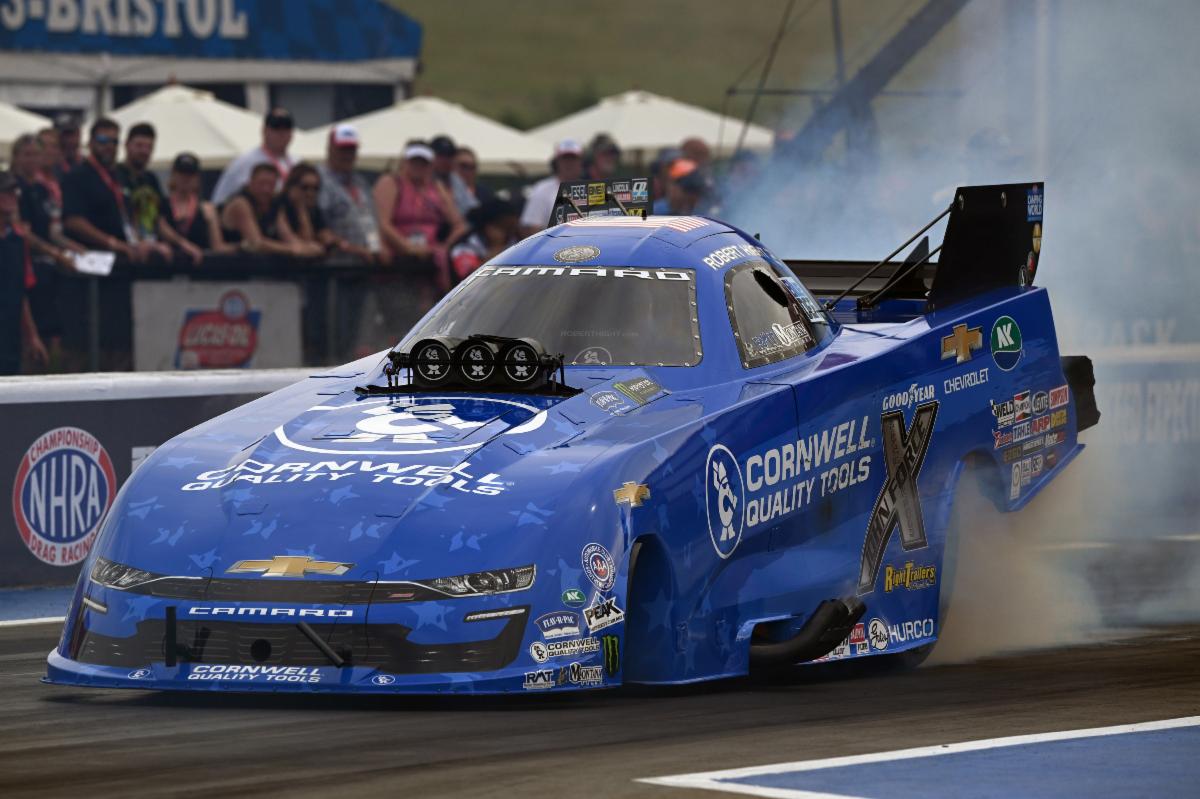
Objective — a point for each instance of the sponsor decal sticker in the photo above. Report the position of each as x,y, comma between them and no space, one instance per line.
961,342
604,613
574,598
731,254
1005,412
593,356
383,679
858,639
599,567
537,680
908,397
1059,397
224,337
541,652
577,253
641,389
611,646
910,577
595,194
969,380
1023,405
245,610
1007,344
1014,489
632,494
141,674
560,624
877,635
289,566
235,673
640,192
909,631
725,499
64,486
899,502
579,674
1033,204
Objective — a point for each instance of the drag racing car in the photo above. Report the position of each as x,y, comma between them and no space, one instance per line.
629,449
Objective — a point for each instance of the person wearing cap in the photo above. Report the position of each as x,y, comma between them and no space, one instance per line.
277,132
69,141
16,278
697,151
345,198
149,211
493,230
566,165
444,152
416,213
603,158
193,218
94,208
686,188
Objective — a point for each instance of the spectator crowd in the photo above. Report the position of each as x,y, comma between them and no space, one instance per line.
430,214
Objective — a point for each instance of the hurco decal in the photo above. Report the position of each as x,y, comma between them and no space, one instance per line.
909,631
910,577
234,673
65,484
898,503
788,467
455,478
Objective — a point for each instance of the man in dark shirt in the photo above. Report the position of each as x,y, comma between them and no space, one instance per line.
16,277
94,210
67,127
147,206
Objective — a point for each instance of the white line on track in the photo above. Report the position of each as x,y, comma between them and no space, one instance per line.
712,780
25,622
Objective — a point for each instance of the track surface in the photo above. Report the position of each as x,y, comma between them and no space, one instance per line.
120,743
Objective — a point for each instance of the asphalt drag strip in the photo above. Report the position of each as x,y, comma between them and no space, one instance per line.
55,740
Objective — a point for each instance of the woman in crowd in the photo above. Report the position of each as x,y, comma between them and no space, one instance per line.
248,219
493,230
191,216
299,219
417,215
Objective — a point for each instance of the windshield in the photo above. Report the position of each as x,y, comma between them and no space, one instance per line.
594,316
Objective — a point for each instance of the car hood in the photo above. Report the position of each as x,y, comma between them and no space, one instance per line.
400,486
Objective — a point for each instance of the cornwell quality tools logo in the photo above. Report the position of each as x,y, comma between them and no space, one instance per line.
725,497
898,502
289,566
961,342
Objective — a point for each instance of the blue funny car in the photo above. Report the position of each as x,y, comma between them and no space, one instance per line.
628,450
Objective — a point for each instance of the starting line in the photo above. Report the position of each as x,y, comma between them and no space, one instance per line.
1156,758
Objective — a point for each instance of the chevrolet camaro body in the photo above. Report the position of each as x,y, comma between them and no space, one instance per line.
650,525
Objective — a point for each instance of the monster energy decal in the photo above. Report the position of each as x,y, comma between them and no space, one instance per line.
898,502
612,654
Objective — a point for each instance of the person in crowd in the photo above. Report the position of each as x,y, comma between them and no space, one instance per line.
603,158
416,213
697,151
16,278
69,141
94,209
248,219
466,165
147,206
493,230
346,200
193,218
50,253
565,166
299,219
660,168
444,153
277,132
686,190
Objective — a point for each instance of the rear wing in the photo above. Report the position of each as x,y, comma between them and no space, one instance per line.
993,240
587,198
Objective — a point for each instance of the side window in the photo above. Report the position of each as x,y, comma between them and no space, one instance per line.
768,322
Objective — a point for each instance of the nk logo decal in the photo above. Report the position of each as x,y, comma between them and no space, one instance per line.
898,502
725,498
65,485
1007,345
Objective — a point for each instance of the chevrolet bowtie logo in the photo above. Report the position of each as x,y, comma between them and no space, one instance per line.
289,566
632,494
961,341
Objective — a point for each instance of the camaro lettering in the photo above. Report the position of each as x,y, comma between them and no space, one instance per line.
592,271
332,613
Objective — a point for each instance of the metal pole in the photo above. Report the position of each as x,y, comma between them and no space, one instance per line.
93,313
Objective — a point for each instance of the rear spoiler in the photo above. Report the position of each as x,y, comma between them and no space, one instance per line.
993,240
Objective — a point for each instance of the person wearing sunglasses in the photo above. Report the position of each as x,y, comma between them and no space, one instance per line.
94,208
299,220
277,133
466,164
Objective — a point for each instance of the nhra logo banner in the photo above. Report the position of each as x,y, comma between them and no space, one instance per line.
65,484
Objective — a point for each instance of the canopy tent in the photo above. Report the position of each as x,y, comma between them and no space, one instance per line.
14,122
639,120
499,148
191,120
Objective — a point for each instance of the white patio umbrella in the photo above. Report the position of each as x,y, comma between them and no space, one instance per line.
15,122
639,120
191,120
499,148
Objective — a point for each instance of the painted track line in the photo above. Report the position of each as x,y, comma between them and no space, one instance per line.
715,780
27,622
